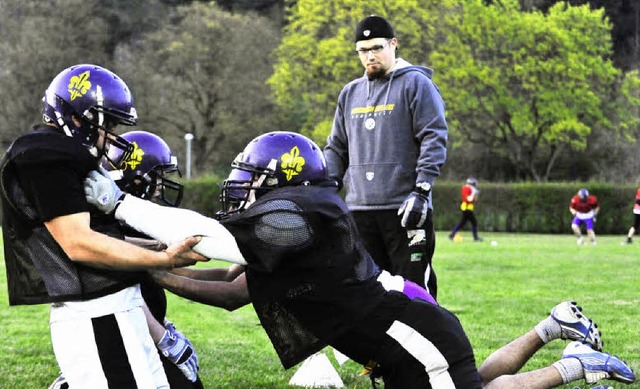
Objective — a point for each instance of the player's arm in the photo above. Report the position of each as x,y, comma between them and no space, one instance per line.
217,274
228,295
82,244
165,224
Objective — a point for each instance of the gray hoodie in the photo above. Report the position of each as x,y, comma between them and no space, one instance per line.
388,134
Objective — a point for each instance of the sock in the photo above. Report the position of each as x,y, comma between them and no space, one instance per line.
548,330
570,369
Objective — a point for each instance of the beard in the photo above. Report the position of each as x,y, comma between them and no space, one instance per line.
376,72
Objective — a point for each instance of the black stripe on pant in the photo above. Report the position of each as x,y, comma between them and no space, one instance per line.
113,355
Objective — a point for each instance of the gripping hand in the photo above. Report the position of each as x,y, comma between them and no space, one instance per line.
101,191
175,346
415,209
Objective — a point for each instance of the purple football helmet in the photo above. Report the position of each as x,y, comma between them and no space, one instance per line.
472,181
97,98
583,194
272,160
144,173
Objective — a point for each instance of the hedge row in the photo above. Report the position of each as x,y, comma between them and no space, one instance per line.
514,207
534,207
519,207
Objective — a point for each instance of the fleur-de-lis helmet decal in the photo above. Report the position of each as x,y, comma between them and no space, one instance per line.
272,160
97,98
145,172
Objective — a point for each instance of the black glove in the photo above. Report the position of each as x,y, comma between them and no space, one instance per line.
415,209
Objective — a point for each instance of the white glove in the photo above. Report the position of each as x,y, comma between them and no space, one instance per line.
101,191
175,346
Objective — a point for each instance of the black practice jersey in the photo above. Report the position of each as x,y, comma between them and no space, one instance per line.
310,279
41,178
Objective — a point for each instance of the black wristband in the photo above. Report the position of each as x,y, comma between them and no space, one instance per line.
122,196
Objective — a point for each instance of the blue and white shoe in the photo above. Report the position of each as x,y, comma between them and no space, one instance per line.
59,383
575,325
599,365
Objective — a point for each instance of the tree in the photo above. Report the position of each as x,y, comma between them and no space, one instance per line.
204,73
317,55
528,85
36,45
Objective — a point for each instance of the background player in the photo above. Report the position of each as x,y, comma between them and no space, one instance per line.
636,218
469,194
584,208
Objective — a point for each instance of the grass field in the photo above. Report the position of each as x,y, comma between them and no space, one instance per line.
498,292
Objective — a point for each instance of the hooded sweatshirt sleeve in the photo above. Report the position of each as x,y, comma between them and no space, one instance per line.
336,151
430,129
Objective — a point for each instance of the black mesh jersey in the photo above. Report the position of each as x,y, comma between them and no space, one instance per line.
310,279
41,177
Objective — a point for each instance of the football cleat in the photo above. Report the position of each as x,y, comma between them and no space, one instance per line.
575,326
59,383
580,240
599,365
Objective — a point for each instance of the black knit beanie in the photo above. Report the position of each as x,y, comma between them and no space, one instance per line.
373,27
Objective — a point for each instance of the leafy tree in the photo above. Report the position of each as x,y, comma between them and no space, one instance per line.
528,85
36,45
204,73
317,55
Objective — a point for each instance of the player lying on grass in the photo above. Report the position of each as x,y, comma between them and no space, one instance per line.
312,284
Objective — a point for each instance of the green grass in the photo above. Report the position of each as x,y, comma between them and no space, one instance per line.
498,292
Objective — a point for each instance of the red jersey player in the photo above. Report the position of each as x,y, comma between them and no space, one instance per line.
584,208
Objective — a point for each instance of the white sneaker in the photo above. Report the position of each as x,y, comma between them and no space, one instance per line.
575,325
580,240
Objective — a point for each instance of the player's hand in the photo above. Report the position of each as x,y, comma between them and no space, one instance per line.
175,346
101,191
181,253
415,210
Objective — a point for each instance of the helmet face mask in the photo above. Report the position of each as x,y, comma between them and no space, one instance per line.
272,160
84,99
146,172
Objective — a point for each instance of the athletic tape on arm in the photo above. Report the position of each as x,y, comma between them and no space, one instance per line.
170,225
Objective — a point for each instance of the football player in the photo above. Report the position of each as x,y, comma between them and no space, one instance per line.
584,208
636,218
57,252
313,284
469,194
145,172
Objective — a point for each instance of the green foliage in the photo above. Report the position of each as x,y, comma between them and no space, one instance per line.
528,85
317,55
203,194
533,207
204,72
531,87
36,46
497,292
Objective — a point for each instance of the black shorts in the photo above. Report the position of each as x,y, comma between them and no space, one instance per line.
426,347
